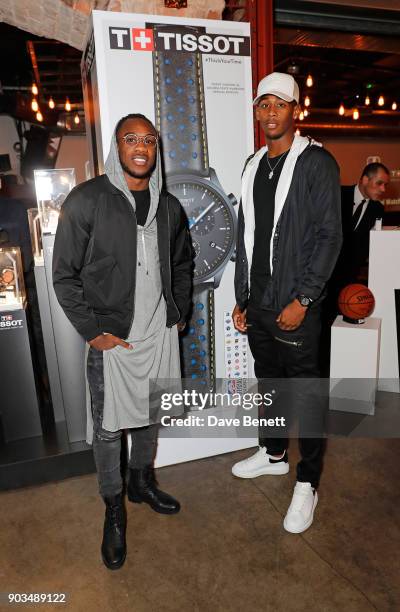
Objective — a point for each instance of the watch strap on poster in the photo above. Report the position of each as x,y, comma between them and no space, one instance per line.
198,344
180,111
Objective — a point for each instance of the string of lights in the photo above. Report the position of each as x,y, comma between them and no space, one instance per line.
344,110
67,105
353,110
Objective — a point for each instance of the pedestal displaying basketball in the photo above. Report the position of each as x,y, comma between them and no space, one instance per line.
356,302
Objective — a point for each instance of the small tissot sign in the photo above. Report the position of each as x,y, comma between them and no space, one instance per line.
8,322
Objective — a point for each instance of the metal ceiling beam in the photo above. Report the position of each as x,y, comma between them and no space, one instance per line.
351,129
331,62
60,82
332,16
46,73
337,40
32,54
62,90
59,60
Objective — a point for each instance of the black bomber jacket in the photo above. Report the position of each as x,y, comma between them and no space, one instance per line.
307,238
94,259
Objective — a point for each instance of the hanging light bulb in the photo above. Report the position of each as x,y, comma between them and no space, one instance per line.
306,113
34,89
301,116
67,105
39,116
76,119
381,101
394,106
341,110
51,103
309,81
367,101
307,101
34,105
356,114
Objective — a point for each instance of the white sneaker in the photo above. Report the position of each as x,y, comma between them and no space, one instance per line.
300,514
259,464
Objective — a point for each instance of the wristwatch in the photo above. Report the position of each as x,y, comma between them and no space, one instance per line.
181,121
7,276
304,300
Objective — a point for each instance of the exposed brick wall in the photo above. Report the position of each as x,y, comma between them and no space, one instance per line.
67,20
205,9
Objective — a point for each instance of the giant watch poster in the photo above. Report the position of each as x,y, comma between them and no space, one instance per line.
192,78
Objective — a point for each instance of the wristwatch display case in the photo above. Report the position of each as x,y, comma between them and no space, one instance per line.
36,235
52,187
12,287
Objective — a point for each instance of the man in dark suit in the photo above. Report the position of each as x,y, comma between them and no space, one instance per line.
360,210
361,207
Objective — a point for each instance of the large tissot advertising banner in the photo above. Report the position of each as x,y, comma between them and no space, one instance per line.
192,78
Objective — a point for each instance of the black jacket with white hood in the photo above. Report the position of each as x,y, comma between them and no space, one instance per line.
307,233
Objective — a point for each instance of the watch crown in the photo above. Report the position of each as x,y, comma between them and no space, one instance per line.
232,199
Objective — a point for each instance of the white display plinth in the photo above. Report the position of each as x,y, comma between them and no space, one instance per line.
179,450
178,444
383,279
354,356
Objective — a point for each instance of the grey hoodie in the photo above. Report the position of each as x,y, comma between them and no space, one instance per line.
115,174
155,352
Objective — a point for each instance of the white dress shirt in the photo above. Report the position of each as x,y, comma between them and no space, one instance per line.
358,198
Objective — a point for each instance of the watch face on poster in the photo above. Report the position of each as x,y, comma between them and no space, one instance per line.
175,4
211,224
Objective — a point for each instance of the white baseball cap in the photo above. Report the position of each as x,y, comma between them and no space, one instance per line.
278,84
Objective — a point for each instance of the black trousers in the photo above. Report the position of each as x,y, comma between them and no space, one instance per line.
107,444
291,355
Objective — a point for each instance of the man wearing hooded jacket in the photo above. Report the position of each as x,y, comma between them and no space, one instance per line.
289,237
122,274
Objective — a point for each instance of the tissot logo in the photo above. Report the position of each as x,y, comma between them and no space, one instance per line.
7,322
178,39
136,39
205,43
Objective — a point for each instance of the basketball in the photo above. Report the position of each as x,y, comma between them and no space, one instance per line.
356,302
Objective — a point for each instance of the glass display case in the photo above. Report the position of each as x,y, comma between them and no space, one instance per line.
52,187
12,288
36,235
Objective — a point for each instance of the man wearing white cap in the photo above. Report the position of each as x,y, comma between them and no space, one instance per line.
289,237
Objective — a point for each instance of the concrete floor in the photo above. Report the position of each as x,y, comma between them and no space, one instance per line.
227,549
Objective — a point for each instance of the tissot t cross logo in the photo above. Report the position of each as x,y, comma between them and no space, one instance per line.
178,39
142,40
138,39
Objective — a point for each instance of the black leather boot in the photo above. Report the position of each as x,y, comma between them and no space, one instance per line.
142,487
113,548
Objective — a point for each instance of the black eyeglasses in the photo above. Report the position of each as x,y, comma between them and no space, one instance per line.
132,140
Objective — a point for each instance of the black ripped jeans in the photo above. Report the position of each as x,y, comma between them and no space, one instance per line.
107,444
291,355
